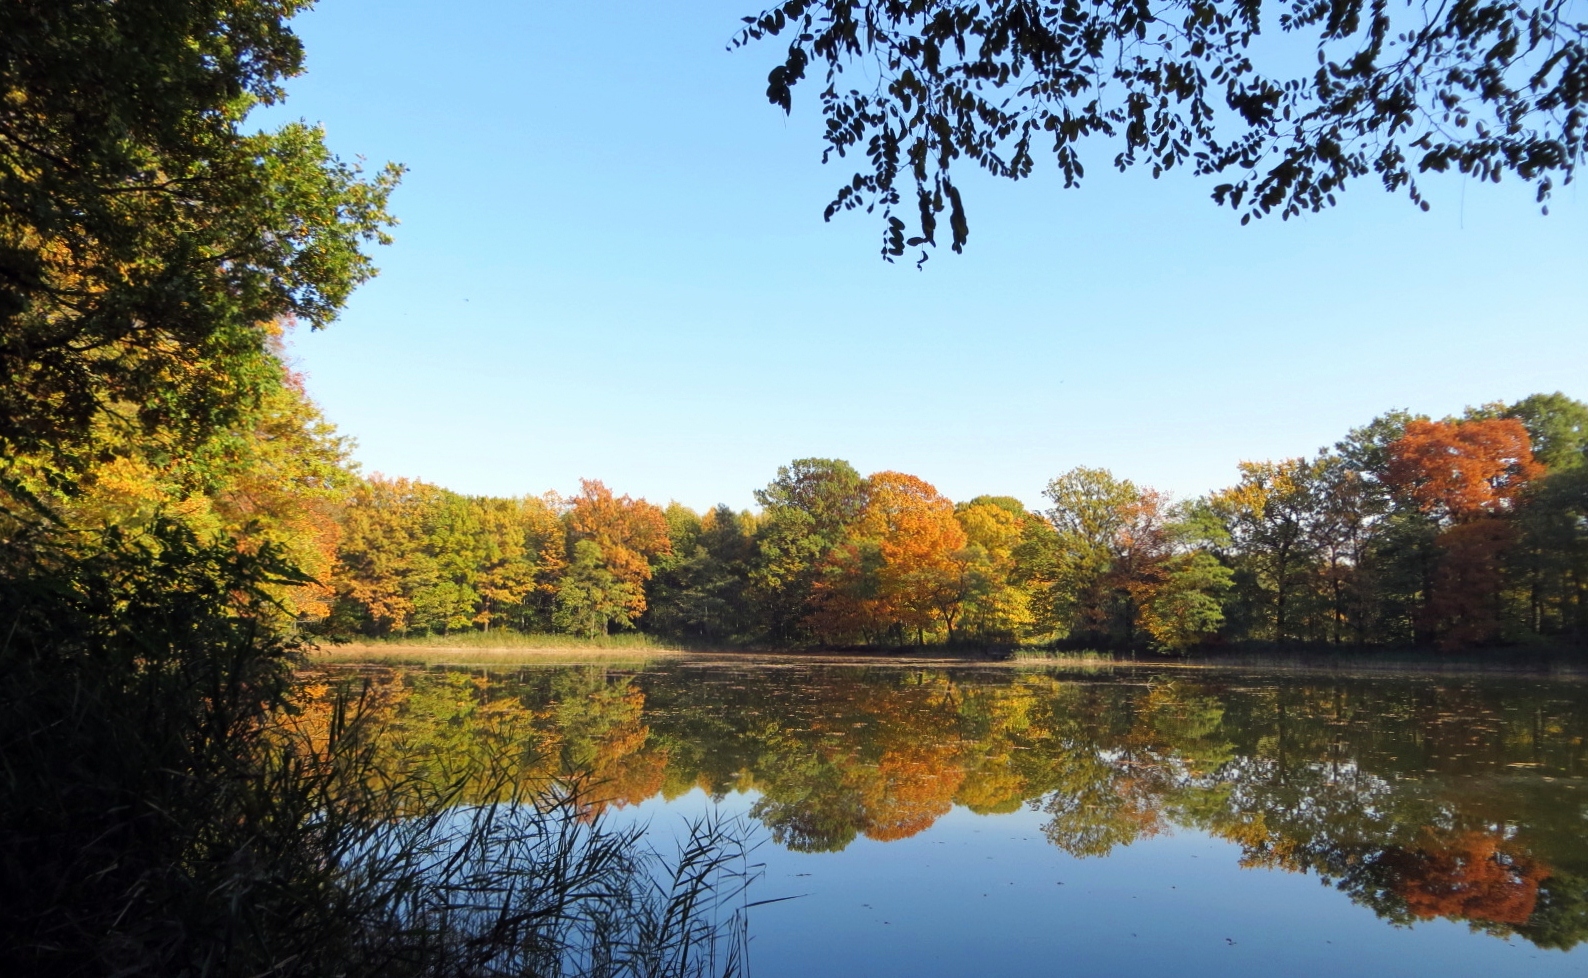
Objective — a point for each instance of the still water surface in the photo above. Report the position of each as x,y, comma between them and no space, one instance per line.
965,822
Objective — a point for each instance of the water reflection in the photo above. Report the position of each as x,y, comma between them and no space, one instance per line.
1418,798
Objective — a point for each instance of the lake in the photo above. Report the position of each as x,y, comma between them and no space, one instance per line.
1124,821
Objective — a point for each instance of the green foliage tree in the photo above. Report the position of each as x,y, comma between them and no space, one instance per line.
1089,513
699,591
148,241
1269,517
1558,426
157,469
805,512
590,598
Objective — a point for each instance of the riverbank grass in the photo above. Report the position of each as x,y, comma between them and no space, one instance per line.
498,648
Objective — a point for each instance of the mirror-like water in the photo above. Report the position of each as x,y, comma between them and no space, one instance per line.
959,822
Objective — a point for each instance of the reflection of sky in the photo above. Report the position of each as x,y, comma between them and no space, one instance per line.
981,895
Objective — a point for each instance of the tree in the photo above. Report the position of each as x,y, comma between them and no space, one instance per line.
917,536
275,476
1089,513
1117,562
895,572
1467,476
147,244
1552,555
1486,88
382,537
995,605
1269,516
590,597
1461,470
1185,605
1349,507
417,556
521,545
1557,426
699,590
630,534
806,512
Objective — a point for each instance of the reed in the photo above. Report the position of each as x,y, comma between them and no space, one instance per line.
166,808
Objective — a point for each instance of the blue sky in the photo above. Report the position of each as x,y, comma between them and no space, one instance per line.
612,264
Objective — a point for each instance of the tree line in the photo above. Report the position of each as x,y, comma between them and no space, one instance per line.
1466,531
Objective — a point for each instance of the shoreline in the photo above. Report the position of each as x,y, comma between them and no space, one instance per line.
1543,666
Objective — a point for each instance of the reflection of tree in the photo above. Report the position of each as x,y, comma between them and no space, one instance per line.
1469,876
574,726
1401,793
809,806
1101,803
875,760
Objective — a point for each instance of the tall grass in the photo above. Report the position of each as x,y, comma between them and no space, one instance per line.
1054,655
167,809
505,639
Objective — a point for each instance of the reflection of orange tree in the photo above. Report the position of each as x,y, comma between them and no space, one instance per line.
916,761
886,758
881,760
1465,876
592,725
1322,777
1006,742
914,787
433,730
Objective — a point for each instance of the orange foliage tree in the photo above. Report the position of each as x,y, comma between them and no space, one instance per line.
897,570
1465,469
630,532
1467,476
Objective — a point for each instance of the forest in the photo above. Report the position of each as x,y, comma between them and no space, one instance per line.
1470,531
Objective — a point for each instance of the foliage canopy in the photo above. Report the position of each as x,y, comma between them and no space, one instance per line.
1289,100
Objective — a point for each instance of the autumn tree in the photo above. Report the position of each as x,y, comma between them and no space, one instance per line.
996,604
1459,471
917,536
417,556
154,243
1557,426
1467,476
275,477
630,534
382,543
522,553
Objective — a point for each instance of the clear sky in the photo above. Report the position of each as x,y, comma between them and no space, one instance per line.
612,264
